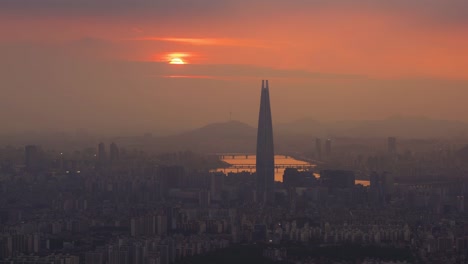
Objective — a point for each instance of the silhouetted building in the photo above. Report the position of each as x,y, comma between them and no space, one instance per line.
265,164
216,185
460,203
337,178
204,198
381,187
114,152
101,155
328,147
170,177
32,158
392,145
318,148
292,177
259,233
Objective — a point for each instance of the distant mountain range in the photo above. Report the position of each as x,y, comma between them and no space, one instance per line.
299,135
404,127
235,136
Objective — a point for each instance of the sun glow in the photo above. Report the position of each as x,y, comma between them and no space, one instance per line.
177,61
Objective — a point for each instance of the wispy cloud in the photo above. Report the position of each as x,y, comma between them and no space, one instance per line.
242,73
189,77
206,41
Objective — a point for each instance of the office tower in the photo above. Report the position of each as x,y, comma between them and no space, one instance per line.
328,146
337,178
318,148
170,177
460,203
102,157
392,145
265,163
32,158
381,187
292,177
114,153
216,185
204,198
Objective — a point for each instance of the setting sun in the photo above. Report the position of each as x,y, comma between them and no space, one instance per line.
177,61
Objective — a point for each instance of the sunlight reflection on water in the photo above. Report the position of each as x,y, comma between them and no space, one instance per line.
279,159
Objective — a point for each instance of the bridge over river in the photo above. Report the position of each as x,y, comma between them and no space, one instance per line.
251,167
246,162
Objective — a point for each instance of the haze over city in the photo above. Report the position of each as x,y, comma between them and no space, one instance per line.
105,65
233,131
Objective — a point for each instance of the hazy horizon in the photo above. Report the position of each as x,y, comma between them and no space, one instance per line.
289,128
233,131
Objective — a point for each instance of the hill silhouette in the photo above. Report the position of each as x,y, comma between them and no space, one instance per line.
232,136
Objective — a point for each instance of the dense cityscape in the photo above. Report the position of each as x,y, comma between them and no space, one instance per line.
111,204
233,131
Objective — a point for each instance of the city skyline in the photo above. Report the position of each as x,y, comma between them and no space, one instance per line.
133,131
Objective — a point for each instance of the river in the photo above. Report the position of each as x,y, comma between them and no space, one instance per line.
246,160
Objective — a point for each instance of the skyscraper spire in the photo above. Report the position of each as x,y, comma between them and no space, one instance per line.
265,165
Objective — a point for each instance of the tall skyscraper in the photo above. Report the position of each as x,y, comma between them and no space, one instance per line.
392,145
328,148
265,165
32,158
318,148
101,155
114,153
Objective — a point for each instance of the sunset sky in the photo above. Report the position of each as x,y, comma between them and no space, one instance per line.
104,64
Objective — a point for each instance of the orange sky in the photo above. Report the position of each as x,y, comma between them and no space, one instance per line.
361,46
375,43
